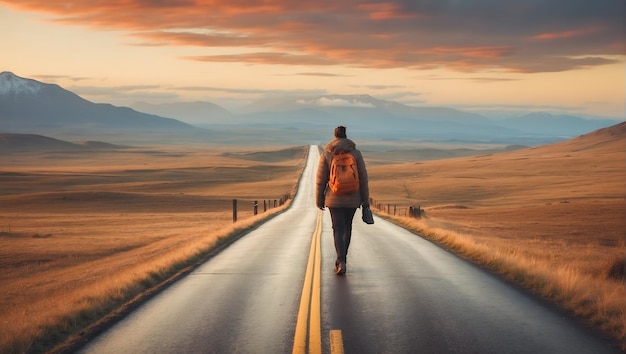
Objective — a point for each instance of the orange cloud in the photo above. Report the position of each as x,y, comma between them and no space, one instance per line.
384,11
569,34
472,52
267,58
387,34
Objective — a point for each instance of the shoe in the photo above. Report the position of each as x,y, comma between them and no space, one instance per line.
340,269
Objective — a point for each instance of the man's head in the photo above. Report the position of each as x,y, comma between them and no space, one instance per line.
340,132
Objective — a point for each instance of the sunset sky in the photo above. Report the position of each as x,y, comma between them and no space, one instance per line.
530,55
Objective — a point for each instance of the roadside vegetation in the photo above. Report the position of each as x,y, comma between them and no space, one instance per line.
594,295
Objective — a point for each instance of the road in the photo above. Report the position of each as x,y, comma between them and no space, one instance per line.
273,291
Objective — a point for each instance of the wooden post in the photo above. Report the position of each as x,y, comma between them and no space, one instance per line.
264,205
256,207
234,210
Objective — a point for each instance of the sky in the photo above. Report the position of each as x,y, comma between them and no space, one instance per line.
560,56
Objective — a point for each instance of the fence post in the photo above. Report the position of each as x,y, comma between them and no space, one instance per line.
264,205
234,210
256,207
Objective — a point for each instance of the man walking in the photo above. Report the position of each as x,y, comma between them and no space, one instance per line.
341,201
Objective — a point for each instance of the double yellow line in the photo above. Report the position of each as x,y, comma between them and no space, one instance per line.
308,327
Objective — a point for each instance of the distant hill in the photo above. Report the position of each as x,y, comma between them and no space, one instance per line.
29,106
35,142
612,138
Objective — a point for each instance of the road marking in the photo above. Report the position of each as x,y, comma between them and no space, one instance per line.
308,325
336,341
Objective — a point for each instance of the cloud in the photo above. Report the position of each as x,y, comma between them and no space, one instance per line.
570,33
259,91
405,97
378,87
48,78
335,102
385,11
107,91
473,79
469,36
124,95
268,58
317,74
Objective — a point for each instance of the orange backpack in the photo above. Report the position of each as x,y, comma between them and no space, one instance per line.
344,174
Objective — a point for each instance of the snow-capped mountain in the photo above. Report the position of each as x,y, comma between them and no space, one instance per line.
15,85
30,106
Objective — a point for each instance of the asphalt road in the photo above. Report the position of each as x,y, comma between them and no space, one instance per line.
274,291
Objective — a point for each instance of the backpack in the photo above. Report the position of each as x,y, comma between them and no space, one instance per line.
344,174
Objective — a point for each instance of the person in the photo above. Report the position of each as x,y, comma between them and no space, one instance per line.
342,207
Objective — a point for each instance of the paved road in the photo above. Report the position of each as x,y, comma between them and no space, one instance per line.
273,291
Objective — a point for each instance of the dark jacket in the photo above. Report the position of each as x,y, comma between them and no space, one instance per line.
324,195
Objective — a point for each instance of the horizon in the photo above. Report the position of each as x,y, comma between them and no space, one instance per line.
475,56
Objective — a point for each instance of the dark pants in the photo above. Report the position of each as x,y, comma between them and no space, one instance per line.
342,230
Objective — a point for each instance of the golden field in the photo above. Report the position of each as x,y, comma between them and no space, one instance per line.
82,232
551,218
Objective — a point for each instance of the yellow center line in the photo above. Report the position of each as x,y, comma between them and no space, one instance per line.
336,342
315,326
309,327
309,311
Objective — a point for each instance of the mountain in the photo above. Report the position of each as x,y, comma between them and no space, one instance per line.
370,117
29,106
311,118
197,113
374,118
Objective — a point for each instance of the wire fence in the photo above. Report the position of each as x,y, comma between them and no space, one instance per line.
412,211
266,204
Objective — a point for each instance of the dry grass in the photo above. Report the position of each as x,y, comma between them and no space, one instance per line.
82,233
552,218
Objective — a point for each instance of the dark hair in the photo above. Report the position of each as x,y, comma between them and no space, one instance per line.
340,132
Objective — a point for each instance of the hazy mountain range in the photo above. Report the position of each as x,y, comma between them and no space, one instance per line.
30,106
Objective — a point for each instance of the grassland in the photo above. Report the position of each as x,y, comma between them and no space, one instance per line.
83,232
550,218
